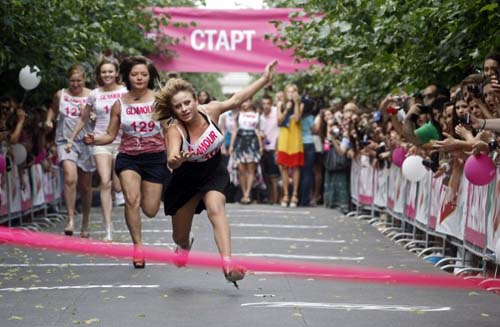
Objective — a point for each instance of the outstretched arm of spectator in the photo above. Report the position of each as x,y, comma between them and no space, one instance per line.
16,134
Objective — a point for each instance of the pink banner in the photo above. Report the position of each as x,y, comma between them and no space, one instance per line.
225,41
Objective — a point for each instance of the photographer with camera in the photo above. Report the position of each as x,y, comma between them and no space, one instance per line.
336,180
429,112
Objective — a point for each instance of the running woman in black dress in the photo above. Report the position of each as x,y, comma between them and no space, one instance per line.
199,177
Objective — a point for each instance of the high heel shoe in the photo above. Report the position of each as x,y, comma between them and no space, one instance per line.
84,234
108,237
294,201
245,200
181,255
284,201
68,230
232,272
138,258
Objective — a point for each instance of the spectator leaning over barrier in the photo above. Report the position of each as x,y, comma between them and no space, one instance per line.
77,165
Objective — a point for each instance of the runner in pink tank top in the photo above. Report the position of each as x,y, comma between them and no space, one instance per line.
199,176
141,162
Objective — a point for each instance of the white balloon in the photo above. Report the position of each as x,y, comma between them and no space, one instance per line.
28,79
19,152
497,250
413,170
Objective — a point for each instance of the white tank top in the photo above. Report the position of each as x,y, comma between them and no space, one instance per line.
207,145
69,114
101,104
137,120
248,120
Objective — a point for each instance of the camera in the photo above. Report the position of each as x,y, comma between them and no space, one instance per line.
335,131
364,141
432,163
425,109
474,90
464,119
401,103
379,150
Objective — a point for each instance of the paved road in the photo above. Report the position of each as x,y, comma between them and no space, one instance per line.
52,289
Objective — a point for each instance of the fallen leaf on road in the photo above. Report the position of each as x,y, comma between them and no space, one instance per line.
15,318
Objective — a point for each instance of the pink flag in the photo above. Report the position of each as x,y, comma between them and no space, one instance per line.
225,41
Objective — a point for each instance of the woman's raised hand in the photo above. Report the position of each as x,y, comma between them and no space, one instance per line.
270,69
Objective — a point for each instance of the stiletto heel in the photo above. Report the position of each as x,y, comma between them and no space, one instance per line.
284,201
109,236
68,230
181,258
294,201
232,272
138,258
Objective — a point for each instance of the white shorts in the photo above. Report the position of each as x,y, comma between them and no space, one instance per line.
109,149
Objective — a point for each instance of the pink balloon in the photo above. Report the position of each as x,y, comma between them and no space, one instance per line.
479,169
3,164
398,156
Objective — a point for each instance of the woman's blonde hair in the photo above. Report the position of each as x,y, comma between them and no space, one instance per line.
76,69
163,108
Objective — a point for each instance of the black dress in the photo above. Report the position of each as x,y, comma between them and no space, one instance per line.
192,178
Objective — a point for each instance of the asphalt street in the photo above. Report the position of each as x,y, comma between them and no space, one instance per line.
39,288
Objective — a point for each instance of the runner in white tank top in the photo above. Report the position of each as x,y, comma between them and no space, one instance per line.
141,162
77,165
196,185
97,112
209,143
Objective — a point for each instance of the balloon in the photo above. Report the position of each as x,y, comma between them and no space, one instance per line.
20,153
479,169
3,164
497,250
413,170
398,156
28,79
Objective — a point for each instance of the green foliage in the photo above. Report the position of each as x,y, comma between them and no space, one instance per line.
206,82
371,48
53,34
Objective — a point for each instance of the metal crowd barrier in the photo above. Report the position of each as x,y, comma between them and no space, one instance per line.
31,198
458,235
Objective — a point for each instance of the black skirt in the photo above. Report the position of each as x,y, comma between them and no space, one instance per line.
192,178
